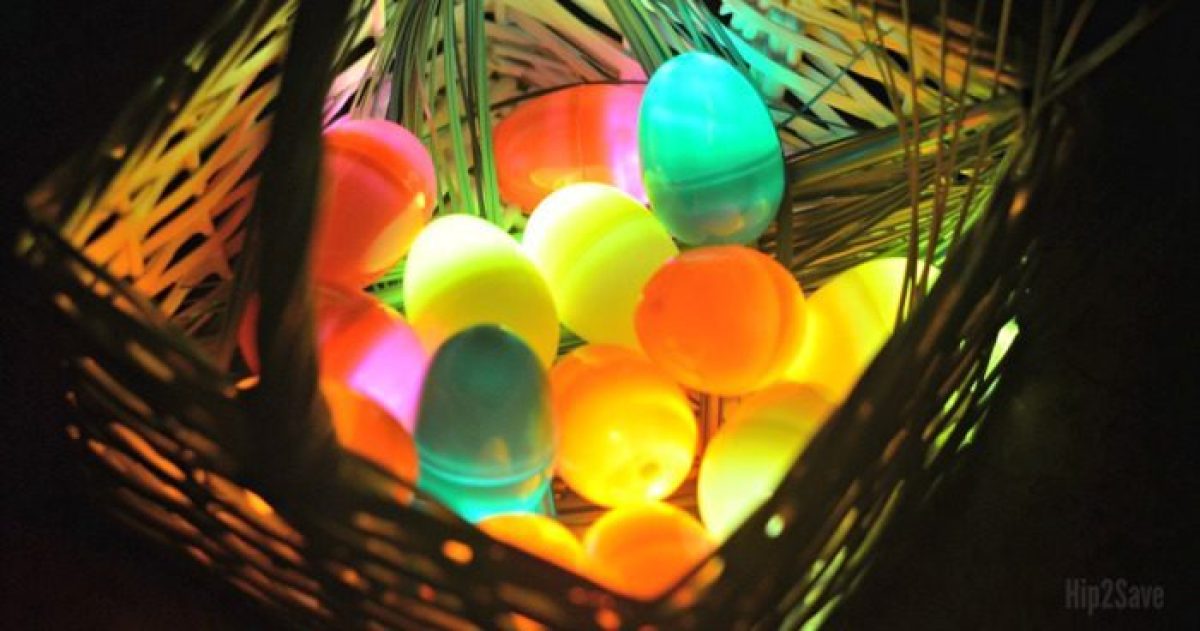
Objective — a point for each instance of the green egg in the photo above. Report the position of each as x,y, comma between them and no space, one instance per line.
484,431
711,159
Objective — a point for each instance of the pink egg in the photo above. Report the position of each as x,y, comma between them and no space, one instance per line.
585,133
378,191
361,343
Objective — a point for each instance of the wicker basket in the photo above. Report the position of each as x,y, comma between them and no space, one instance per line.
904,135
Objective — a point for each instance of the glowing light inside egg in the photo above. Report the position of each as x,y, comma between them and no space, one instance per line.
722,319
711,158
748,457
362,343
463,271
584,133
849,319
538,535
378,189
597,247
643,549
366,429
627,433
484,431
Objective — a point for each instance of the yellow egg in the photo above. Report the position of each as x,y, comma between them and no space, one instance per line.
597,247
538,535
849,319
463,271
752,452
641,550
627,433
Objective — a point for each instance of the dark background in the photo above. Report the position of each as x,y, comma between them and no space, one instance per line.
1085,470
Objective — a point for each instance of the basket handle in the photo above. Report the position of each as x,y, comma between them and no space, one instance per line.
292,439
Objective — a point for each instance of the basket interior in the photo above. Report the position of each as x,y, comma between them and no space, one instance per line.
150,234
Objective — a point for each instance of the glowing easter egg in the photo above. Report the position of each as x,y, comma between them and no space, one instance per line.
484,432
378,190
643,549
361,343
584,133
464,271
380,356
538,535
752,452
722,319
849,319
596,247
711,159
627,433
364,428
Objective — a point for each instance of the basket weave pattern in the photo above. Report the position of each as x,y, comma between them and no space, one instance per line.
138,242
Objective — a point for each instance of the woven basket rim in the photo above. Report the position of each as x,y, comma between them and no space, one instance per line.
44,241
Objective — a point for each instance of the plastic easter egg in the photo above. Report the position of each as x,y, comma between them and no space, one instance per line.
644,549
584,133
849,319
365,429
361,343
538,535
464,271
596,247
484,431
726,320
627,433
752,452
380,356
378,190
711,159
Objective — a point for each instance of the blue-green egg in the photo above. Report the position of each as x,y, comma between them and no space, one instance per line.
711,159
484,432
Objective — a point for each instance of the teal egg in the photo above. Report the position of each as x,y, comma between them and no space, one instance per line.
484,432
711,160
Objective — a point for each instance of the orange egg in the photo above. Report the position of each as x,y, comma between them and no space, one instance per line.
725,320
378,190
538,535
644,549
361,343
364,428
584,133
333,308
627,433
